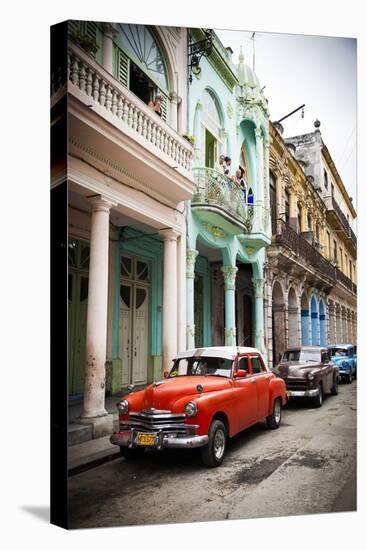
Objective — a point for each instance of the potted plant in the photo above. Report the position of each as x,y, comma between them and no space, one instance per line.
85,42
189,138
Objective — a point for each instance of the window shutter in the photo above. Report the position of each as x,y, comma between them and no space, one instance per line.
165,108
122,69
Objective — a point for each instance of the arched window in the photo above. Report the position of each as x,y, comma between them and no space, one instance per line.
139,63
210,130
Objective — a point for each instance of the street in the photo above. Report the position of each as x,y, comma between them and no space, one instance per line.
307,466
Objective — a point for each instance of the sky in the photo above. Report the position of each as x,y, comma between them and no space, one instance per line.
318,71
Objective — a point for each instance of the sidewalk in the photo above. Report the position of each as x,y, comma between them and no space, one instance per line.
82,449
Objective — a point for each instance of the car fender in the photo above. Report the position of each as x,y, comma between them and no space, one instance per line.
277,388
209,404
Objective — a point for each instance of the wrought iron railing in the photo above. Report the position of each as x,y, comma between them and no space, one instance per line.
216,189
310,256
332,204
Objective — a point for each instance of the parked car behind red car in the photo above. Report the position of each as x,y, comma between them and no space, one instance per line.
209,395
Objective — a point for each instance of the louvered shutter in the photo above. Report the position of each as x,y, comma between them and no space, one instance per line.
121,68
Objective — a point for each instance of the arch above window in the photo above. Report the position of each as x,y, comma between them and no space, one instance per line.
144,50
210,113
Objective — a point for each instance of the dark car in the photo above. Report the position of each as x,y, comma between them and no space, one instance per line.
308,372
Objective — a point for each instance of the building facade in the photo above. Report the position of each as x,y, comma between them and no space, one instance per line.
228,229
310,292
128,174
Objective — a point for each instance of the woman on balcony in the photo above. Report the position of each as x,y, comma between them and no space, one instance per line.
156,105
239,181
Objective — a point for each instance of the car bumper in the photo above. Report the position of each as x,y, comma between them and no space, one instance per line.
302,393
128,439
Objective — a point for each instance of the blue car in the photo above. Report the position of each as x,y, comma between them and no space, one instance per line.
345,356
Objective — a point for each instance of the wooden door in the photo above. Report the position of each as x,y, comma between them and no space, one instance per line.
140,334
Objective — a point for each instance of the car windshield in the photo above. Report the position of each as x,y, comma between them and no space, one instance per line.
201,366
301,356
340,352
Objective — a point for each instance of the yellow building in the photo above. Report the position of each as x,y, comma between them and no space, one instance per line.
311,289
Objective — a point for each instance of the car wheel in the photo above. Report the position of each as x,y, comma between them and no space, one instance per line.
274,419
213,452
334,389
131,454
318,400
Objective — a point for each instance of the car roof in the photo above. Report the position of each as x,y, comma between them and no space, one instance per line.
306,348
225,352
341,346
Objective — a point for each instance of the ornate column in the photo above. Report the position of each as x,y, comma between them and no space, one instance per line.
259,332
279,202
260,182
109,33
197,134
229,273
191,260
170,295
266,168
96,326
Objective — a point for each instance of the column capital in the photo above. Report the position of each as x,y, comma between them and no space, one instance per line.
258,285
100,203
229,273
109,30
191,256
258,133
169,234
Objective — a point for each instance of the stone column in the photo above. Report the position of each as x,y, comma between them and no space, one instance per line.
260,183
266,156
279,202
96,329
169,297
259,333
109,33
191,260
229,273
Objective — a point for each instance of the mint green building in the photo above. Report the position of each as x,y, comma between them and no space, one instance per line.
228,229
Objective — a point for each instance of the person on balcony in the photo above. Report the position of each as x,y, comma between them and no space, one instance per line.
240,182
219,165
227,166
156,105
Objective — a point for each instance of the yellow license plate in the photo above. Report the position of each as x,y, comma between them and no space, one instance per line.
289,393
145,439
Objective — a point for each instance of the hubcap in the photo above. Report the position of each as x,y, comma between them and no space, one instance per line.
277,412
219,444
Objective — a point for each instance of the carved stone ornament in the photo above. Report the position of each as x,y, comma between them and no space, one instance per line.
215,231
190,263
229,109
258,287
229,273
230,332
191,330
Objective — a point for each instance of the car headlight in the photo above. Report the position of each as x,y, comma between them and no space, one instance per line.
122,407
191,409
311,376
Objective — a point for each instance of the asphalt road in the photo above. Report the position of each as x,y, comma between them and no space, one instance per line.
307,466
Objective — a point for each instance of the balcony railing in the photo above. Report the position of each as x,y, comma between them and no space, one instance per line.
332,204
310,256
99,87
217,190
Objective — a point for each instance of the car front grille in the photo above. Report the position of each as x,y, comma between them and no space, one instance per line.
151,420
296,384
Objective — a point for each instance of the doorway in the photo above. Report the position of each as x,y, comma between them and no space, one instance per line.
134,319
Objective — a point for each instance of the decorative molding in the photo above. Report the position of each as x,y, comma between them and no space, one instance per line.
191,256
229,109
229,273
190,330
215,231
258,285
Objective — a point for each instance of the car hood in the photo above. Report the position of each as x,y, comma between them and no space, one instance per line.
163,394
339,359
296,369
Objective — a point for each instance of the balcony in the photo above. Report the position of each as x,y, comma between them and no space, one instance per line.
338,219
311,257
217,197
110,123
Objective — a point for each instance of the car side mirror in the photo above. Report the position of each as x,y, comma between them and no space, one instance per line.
166,374
240,373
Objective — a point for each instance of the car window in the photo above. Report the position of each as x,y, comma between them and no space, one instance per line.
256,365
325,357
243,363
201,366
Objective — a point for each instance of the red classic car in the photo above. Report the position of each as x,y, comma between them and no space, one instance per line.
210,394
